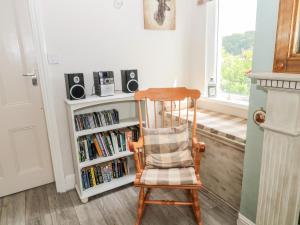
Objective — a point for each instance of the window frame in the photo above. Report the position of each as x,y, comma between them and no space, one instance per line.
218,63
216,104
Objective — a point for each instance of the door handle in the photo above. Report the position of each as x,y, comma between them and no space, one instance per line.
33,77
29,74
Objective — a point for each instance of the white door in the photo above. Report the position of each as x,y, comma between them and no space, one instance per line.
25,160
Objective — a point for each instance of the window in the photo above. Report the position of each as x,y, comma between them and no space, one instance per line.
235,34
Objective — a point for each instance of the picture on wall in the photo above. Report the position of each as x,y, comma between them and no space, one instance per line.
160,14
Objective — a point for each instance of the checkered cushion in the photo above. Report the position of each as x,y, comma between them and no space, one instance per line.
167,147
173,176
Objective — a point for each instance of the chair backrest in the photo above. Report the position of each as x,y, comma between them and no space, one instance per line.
166,99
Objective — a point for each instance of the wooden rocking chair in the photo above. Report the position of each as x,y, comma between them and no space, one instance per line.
153,97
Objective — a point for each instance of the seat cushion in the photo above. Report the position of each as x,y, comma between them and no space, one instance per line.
167,147
172,176
177,159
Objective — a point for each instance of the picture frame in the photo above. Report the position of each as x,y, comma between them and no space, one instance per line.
160,14
287,49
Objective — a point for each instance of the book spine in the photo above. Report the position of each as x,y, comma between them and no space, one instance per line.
119,168
97,146
86,149
105,152
87,179
123,138
106,144
109,139
115,142
100,175
93,176
119,141
96,175
84,181
90,177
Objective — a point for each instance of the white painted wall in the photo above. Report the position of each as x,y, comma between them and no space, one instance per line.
91,35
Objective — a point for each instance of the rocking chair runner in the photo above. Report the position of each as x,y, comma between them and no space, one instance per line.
174,96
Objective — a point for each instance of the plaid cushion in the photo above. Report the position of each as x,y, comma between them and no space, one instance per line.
167,147
173,176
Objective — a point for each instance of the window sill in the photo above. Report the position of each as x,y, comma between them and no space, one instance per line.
231,107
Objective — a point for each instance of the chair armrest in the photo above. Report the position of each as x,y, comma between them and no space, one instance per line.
198,146
136,146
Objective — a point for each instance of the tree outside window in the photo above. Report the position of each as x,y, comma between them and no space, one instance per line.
236,31
237,52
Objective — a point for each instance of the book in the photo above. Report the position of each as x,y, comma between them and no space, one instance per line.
93,176
97,145
96,119
103,145
106,144
123,140
114,141
109,140
84,181
103,173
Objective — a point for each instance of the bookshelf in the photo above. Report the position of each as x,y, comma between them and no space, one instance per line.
127,117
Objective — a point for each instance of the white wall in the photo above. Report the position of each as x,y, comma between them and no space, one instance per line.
91,35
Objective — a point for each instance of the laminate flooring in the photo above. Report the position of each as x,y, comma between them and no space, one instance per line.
44,206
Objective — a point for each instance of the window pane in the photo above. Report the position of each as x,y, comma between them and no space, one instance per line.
296,49
236,34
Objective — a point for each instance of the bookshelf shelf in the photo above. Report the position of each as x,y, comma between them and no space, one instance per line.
126,106
104,159
122,124
108,186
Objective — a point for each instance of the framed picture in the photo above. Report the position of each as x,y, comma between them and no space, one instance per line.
212,90
160,14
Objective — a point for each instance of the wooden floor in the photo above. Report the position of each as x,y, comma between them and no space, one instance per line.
43,206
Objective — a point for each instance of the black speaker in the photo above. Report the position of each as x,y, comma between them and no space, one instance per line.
129,81
75,86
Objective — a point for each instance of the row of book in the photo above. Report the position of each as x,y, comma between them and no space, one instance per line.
106,144
103,173
96,119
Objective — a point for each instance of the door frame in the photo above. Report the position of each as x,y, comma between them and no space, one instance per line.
43,72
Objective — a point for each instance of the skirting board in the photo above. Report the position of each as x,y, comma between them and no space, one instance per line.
70,182
242,220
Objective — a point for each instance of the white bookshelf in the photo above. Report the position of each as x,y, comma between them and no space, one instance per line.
126,106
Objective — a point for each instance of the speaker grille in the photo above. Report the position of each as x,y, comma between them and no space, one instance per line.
132,85
77,91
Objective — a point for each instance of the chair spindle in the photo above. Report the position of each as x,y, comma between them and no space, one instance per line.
155,116
187,111
147,114
195,118
171,113
163,113
140,118
179,118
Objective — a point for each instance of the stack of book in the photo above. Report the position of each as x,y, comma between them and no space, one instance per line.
96,119
103,173
106,144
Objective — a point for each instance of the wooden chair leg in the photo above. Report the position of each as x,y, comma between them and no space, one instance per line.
141,206
196,207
